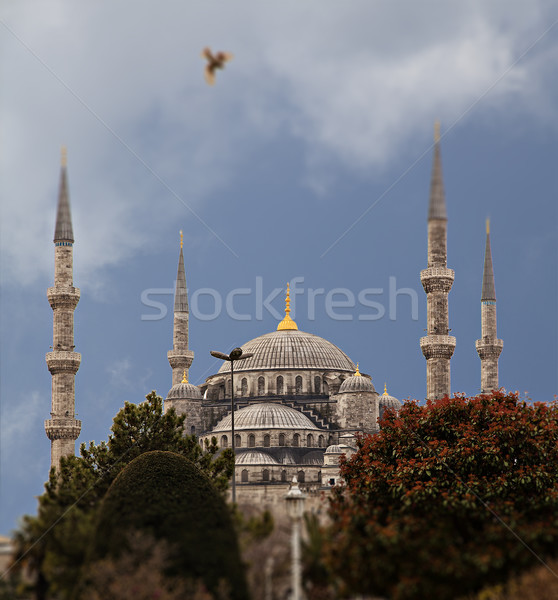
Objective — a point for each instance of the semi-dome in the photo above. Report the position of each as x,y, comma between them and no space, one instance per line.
255,457
291,349
357,383
266,416
184,391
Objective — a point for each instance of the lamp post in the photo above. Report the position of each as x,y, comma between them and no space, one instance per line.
235,354
295,509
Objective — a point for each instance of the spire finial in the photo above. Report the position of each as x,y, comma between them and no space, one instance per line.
385,388
287,322
437,131
184,378
181,239
357,372
63,156
487,226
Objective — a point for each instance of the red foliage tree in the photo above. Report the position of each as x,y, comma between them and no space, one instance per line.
447,498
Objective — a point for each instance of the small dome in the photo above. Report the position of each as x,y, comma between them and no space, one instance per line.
357,383
184,391
334,450
266,416
387,401
316,457
255,457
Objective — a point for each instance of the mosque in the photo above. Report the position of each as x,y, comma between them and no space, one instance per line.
299,400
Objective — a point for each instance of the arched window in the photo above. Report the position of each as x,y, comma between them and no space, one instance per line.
265,475
267,440
326,387
251,440
228,387
298,385
237,440
330,441
244,476
244,387
261,386
221,391
310,440
300,477
280,384
317,384
321,441
296,440
281,439
224,441
193,430
283,475
319,477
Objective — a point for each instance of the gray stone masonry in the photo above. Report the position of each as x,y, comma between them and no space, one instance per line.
63,428
437,346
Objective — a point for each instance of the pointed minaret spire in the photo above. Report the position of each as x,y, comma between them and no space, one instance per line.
180,357
437,346
63,363
437,205
489,346
63,231
488,290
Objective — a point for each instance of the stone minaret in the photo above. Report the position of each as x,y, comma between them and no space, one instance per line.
437,279
489,346
63,363
180,358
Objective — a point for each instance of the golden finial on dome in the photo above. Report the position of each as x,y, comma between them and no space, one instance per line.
63,156
487,226
357,372
287,322
385,389
437,131
184,378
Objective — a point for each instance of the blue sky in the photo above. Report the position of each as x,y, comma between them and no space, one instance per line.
310,158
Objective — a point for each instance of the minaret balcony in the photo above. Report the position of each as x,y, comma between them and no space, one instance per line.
437,346
63,428
489,348
437,279
180,358
63,361
63,297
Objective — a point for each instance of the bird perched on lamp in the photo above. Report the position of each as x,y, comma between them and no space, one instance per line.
214,62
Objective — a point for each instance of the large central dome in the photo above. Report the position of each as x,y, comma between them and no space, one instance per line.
291,349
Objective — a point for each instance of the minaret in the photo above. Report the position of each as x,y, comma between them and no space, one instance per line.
180,358
63,363
437,279
489,346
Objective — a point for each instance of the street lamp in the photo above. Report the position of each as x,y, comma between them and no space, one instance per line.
295,509
235,354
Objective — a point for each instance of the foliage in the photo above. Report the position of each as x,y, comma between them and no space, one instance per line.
139,574
539,583
166,496
315,573
53,545
447,498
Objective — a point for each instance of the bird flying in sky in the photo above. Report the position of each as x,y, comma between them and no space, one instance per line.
214,62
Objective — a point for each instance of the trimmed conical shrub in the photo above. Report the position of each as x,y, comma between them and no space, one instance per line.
165,496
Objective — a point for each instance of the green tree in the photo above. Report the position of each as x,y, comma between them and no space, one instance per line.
447,498
165,495
53,544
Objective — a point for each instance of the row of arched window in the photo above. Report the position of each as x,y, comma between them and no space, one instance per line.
319,387
296,440
266,473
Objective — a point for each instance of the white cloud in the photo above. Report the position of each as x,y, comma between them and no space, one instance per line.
354,83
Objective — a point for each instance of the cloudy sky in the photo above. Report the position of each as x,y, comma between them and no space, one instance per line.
309,161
